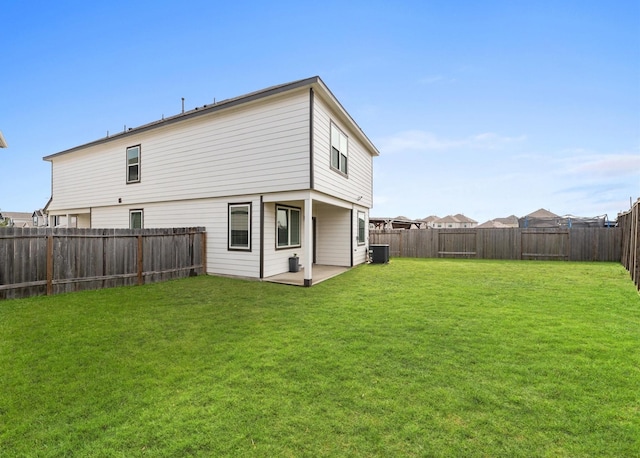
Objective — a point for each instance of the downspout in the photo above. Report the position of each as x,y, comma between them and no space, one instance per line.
311,127
261,237
351,238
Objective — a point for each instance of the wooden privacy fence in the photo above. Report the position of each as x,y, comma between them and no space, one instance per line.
575,244
37,261
629,223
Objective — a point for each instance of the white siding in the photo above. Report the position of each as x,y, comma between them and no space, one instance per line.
253,148
276,260
360,162
192,169
210,213
333,226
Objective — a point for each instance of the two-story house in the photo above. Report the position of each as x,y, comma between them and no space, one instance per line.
458,221
281,171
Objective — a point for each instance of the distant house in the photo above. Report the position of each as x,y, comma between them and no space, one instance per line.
509,221
540,218
39,219
545,219
275,173
428,221
458,221
16,219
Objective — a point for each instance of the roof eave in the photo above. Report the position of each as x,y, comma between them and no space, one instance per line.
196,112
314,81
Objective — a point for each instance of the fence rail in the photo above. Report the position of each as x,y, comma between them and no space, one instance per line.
575,244
630,225
37,261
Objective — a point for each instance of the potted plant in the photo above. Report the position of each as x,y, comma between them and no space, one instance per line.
294,265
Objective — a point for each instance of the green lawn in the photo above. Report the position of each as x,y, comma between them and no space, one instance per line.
415,358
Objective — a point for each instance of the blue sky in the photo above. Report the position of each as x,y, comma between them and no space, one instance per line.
483,108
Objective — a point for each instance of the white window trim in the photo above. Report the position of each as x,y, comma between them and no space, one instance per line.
131,212
289,210
364,227
139,148
231,247
341,145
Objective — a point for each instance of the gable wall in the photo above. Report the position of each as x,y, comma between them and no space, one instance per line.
360,162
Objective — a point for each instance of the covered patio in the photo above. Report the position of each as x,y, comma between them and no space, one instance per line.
320,274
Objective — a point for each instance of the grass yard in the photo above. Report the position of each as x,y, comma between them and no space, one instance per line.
415,358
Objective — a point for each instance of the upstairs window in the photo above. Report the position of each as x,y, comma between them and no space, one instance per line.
133,164
339,151
288,227
240,227
135,219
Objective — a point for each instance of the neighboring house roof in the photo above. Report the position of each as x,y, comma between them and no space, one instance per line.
314,82
455,219
541,213
491,224
429,219
18,219
509,221
464,219
3,142
447,219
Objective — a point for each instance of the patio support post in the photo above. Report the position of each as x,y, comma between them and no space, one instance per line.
308,241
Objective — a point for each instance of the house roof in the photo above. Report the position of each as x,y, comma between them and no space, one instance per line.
448,219
542,213
464,219
19,219
493,224
3,142
459,218
17,215
314,82
509,221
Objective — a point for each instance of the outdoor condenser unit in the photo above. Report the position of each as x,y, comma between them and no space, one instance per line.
379,254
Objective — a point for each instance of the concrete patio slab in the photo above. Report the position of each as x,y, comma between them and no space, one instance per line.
320,273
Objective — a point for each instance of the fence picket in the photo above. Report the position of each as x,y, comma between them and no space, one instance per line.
630,225
579,244
37,261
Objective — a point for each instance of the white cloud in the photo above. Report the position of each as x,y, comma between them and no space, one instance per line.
605,165
422,141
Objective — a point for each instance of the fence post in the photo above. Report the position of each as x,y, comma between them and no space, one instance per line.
204,252
140,263
49,262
